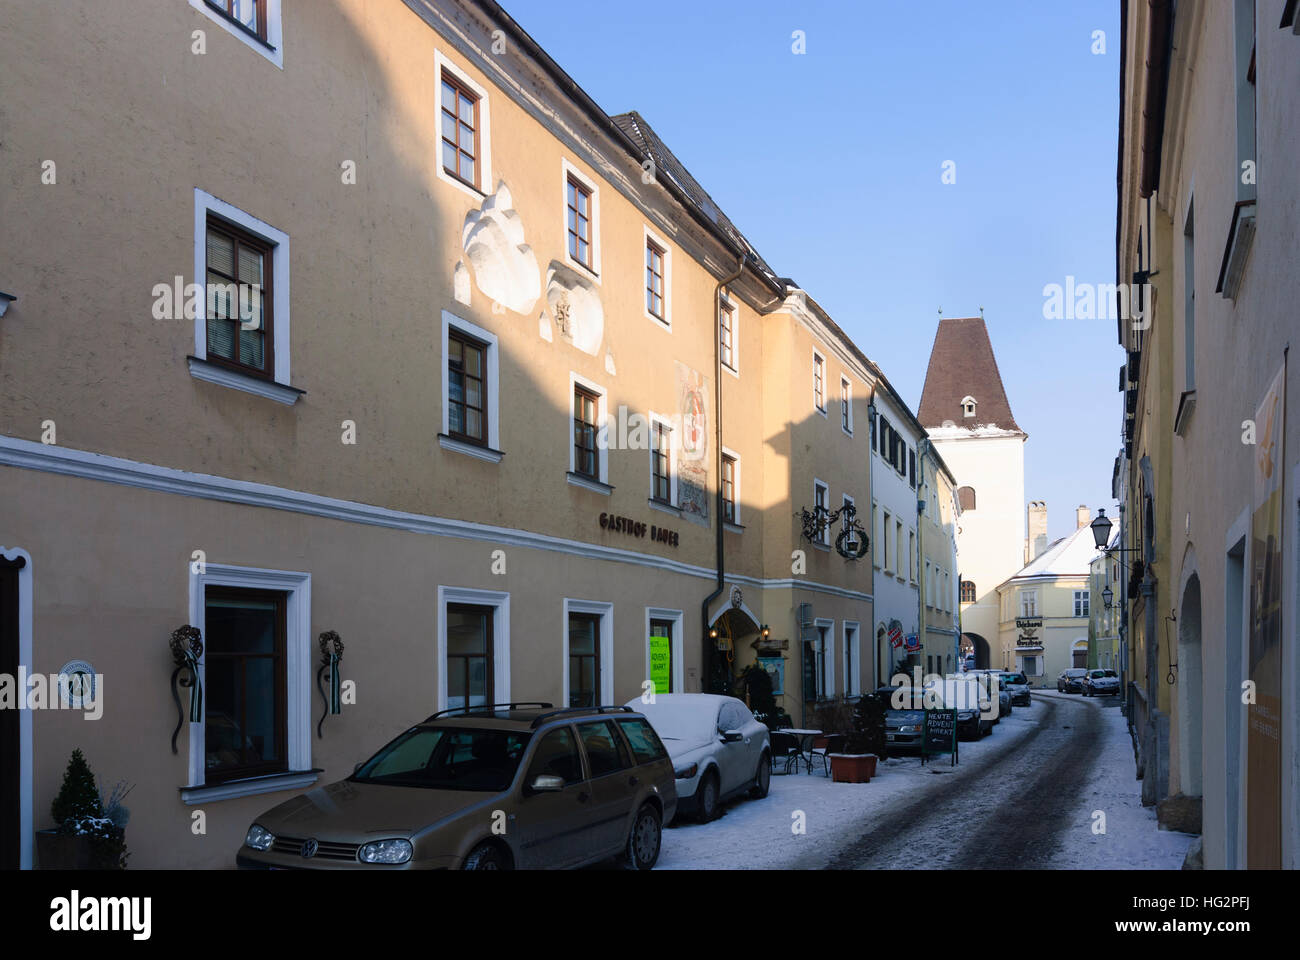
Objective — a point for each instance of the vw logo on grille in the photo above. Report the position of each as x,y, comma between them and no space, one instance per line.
310,847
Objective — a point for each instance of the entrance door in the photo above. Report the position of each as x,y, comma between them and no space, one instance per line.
10,815
661,655
469,655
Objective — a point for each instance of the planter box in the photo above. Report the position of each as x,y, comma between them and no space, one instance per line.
62,851
853,767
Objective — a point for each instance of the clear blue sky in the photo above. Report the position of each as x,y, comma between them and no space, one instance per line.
830,162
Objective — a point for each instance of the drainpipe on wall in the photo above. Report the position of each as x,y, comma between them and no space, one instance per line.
717,459
922,634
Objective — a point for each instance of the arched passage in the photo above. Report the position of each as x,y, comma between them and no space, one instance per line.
981,648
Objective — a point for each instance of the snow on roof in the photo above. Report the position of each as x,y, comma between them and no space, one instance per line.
1070,556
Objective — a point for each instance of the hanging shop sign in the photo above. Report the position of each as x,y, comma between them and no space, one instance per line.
912,643
77,684
661,657
895,633
637,528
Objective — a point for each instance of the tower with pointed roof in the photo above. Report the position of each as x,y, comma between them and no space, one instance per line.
965,410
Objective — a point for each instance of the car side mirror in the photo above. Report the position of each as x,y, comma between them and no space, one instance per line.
732,736
547,783
357,767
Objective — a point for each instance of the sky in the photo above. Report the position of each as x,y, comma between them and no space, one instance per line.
832,164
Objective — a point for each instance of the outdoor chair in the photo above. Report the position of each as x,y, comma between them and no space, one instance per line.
785,748
834,744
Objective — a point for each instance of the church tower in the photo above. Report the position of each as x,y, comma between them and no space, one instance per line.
965,410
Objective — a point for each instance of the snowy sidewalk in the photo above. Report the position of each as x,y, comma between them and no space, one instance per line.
759,834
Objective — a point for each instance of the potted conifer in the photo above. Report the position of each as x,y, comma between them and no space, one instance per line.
857,764
90,834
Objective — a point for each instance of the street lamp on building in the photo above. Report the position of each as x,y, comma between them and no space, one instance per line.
1107,596
1101,529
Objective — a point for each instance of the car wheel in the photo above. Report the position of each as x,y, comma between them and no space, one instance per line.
644,840
708,798
762,779
486,856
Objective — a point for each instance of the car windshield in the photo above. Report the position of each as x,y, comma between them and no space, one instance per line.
447,758
675,719
1109,673
1097,674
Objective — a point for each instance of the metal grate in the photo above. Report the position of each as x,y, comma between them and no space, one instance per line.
327,850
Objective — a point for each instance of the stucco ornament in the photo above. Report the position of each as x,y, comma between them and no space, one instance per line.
461,283
505,267
575,304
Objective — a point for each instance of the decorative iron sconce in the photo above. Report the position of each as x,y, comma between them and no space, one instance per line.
852,542
1172,676
331,654
187,647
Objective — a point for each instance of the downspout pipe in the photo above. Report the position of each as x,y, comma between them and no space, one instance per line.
923,633
717,460
872,414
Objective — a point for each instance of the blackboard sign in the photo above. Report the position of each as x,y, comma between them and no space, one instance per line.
940,734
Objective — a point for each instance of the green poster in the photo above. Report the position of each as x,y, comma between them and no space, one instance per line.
661,663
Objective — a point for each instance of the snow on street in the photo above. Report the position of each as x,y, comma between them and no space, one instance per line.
992,810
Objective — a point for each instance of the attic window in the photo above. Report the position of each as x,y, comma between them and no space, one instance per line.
968,406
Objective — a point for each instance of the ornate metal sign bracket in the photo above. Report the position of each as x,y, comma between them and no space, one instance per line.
331,655
852,542
187,647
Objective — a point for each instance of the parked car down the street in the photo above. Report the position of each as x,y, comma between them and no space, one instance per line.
1018,687
484,788
1071,680
1101,683
903,727
719,750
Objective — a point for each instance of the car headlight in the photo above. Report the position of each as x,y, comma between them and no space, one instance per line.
385,851
259,838
908,729
966,715
686,771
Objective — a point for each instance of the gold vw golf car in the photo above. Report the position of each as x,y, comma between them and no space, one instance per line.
513,785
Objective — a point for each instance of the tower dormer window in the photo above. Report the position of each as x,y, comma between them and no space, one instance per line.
968,407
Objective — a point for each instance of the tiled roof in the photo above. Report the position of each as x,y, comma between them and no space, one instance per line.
666,164
961,365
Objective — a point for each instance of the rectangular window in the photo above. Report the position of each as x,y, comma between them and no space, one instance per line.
898,544
821,668
967,591
1244,90
240,319
820,506
1029,603
911,555
661,654
1189,299
1081,603
661,438
584,659
579,222
654,280
846,406
249,14
911,468
887,529
466,388
819,382
726,330
929,586
852,661
728,488
245,700
469,655
586,458
460,131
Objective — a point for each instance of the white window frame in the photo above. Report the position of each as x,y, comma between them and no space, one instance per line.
568,170
852,651
492,452
929,584
819,361
651,237
1082,598
297,670
732,368
846,405
968,406
606,662
913,561
654,418
828,657
281,389
272,50
884,541
735,485
824,537
1028,598
499,601
602,433
678,650
442,65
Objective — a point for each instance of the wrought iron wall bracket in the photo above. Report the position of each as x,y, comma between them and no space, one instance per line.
331,655
852,542
186,644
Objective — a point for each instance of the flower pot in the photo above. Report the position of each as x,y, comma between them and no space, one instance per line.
853,767
64,851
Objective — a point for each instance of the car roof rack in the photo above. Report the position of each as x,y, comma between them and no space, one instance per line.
543,717
487,708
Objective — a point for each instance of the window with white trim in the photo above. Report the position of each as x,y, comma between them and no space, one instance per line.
1081,603
846,405
663,462
728,346
588,451
463,146
730,487
470,387
819,382
821,504
581,208
658,279
852,660
256,23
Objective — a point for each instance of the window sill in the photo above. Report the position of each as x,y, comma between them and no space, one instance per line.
663,507
731,370
225,377
586,271
733,527
1186,404
847,433
272,783
587,483
469,449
